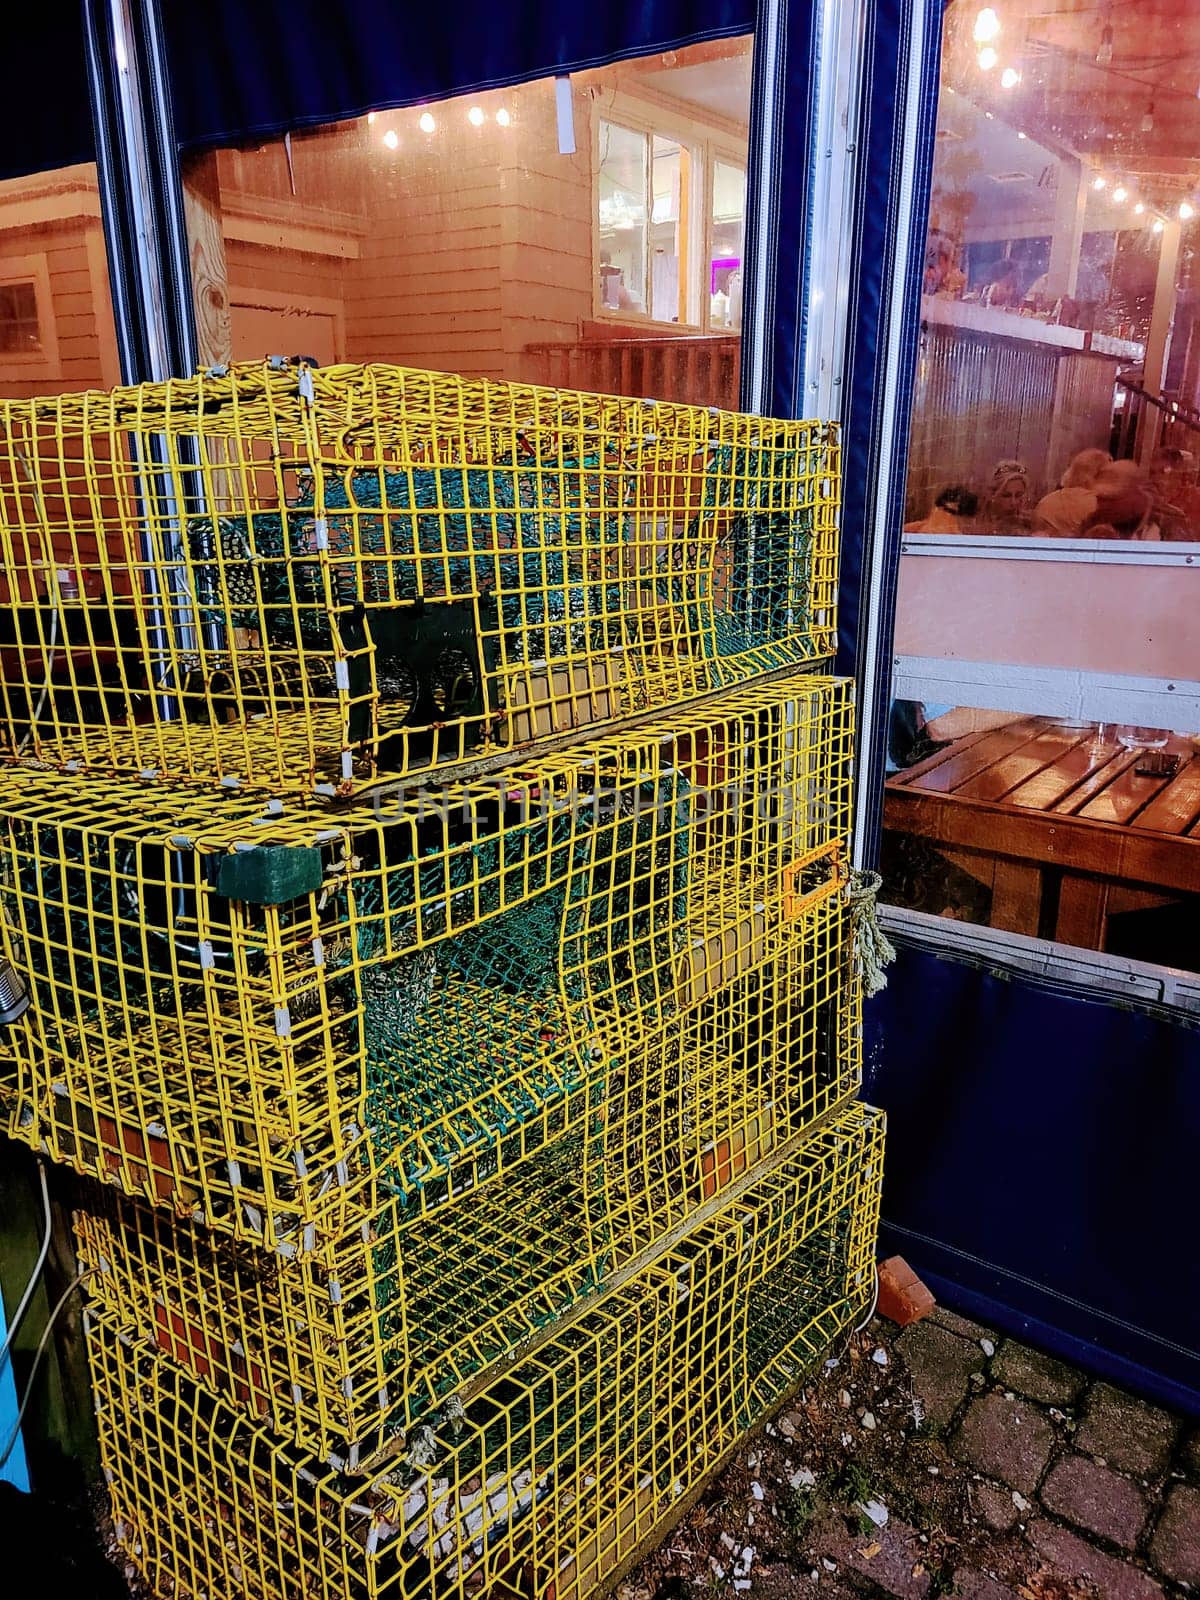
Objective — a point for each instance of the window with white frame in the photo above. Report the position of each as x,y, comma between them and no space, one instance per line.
670,209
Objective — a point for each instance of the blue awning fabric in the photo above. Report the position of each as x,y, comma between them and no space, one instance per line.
246,69
242,70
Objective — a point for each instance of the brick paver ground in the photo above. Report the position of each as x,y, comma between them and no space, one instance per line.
948,1460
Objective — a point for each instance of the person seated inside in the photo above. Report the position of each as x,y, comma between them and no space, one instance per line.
1063,512
1173,489
1124,505
953,512
1004,291
1004,506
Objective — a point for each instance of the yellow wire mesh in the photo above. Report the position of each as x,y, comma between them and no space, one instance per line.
458,974
340,1347
548,1479
292,578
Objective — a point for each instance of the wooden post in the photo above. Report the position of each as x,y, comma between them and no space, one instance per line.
206,247
210,293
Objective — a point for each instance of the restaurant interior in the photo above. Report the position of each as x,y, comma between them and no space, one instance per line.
1045,769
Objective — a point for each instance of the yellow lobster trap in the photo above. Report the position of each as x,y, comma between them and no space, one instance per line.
345,1345
551,1478
296,578
246,1013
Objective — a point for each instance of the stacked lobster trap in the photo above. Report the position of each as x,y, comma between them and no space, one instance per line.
424,872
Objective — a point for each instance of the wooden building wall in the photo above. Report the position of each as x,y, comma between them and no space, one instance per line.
50,232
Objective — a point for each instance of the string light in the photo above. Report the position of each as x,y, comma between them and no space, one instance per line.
1186,212
370,118
1099,183
1021,135
1159,224
987,58
475,117
1010,78
1120,193
1139,209
503,118
392,139
987,26
427,124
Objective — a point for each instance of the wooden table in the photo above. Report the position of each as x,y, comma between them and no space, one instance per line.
1061,824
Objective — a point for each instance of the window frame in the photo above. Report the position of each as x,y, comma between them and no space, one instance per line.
45,362
651,116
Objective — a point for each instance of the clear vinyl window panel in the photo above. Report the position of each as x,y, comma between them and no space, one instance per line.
463,235
1044,763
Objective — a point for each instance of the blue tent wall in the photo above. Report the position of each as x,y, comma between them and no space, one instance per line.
1040,1142
242,70
1041,1164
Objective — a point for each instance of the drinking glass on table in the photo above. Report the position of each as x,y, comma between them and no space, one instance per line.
1135,737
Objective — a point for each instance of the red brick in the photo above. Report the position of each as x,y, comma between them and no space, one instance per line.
1071,1557
903,1298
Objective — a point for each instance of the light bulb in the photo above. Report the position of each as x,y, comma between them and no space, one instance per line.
1099,183
392,139
503,118
426,124
1159,224
987,58
1139,209
987,26
370,118
1120,193
475,117
1186,212
1010,78
1021,135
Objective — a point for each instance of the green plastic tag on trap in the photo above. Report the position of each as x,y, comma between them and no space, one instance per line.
268,875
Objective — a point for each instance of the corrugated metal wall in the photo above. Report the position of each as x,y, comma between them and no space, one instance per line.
980,399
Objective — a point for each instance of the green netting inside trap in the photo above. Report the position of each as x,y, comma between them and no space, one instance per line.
526,1237
626,917
97,938
767,549
478,1033
811,1278
542,536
